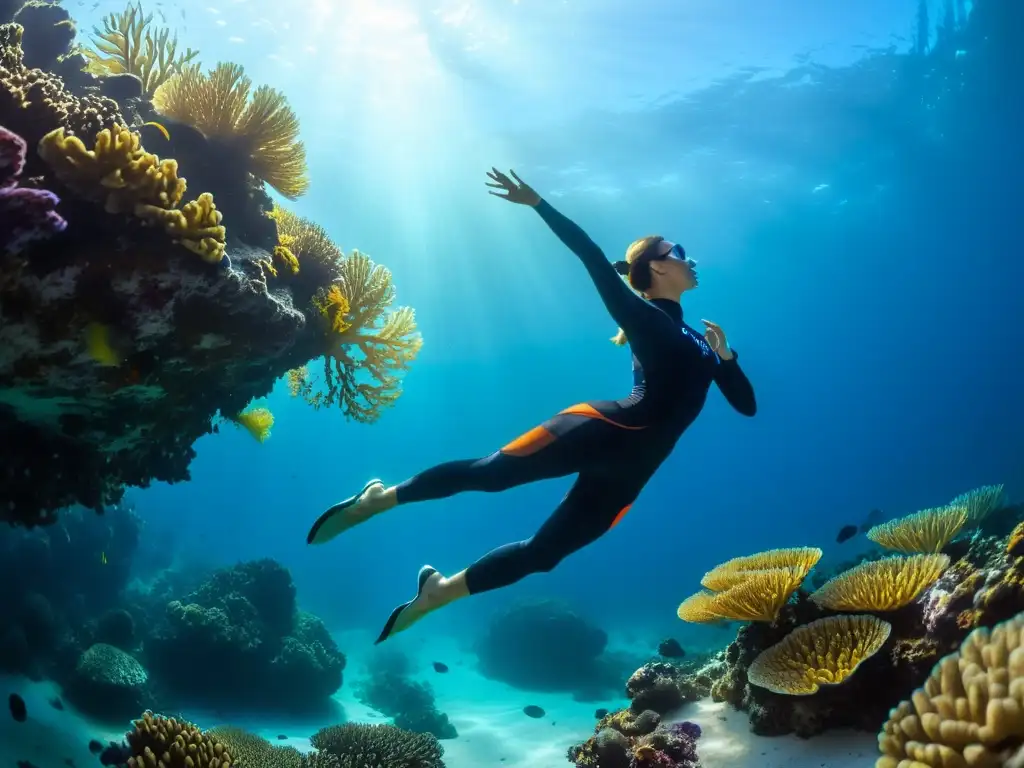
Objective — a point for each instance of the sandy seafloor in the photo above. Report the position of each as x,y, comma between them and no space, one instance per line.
493,730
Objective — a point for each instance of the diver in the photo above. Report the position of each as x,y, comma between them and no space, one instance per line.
613,447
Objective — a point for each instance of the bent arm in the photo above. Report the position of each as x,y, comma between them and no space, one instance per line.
625,307
735,385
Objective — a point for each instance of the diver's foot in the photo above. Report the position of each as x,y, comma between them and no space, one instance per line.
428,598
348,513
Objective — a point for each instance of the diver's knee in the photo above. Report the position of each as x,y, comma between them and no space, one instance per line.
542,559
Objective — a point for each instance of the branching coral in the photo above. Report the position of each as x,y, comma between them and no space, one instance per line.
257,422
926,531
970,712
34,102
759,597
378,746
264,129
881,585
162,742
251,751
734,571
25,214
823,652
370,345
126,44
119,173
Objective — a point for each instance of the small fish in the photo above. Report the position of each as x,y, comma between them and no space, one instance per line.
440,667
56,703
26,764
532,710
18,709
846,533
600,713
95,746
103,558
159,127
97,343
281,737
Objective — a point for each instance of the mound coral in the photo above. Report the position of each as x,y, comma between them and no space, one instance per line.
378,746
263,130
881,585
164,742
128,45
970,711
824,652
926,531
25,214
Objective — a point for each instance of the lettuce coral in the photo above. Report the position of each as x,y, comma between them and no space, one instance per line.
25,214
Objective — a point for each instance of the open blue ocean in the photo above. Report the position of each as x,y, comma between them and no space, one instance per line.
250,264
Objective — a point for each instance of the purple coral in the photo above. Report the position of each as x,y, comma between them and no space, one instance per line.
25,214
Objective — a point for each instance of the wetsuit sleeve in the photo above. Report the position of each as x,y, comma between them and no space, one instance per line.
626,308
735,385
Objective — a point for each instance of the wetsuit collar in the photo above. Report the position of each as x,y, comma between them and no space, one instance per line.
670,308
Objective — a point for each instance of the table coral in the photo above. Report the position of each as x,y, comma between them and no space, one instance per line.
25,214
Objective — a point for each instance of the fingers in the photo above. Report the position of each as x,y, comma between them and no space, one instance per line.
514,176
498,194
710,324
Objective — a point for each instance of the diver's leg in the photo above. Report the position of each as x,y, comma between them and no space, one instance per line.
556,448
593,506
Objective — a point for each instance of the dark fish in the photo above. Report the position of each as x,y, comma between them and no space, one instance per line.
281,737
874,518
670,649
18,709
602,712
440,667
846,533
532,710
56,703
26,764
95,747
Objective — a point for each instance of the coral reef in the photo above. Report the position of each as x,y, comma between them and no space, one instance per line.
626,739
542,645
132,321
164,742
389,688
378,746
970,711
239,640
663,687
26,214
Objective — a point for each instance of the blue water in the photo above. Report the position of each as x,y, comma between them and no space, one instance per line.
858,241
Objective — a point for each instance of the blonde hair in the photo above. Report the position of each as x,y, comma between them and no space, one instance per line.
637,249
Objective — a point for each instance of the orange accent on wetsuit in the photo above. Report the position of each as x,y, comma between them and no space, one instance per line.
590,412
529,443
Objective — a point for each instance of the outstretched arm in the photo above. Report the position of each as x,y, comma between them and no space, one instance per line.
626,308
735,385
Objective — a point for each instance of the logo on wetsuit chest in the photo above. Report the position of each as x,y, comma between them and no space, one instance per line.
700,341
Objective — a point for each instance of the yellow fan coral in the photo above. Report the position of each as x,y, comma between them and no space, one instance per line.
980,502
257,422
759,597
926,531
696,609
734,571
304,238
824,652
970,712
126,44
263,129
881,585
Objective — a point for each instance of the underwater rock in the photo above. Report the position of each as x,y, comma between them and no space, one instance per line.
108,684
121,86
49,33
664,686
625,739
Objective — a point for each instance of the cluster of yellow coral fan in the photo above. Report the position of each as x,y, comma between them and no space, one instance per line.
127,179
264,129
980,502
164,742
335,306
256,421
824,652
734,571
304,239
970,712
881,585
126,44
750,588
926,531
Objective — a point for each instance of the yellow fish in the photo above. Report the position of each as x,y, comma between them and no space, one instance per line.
97,342
164,131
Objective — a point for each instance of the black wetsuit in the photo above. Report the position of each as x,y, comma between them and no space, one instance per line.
614,446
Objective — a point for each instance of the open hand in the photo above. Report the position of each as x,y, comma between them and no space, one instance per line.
514,191
715,336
